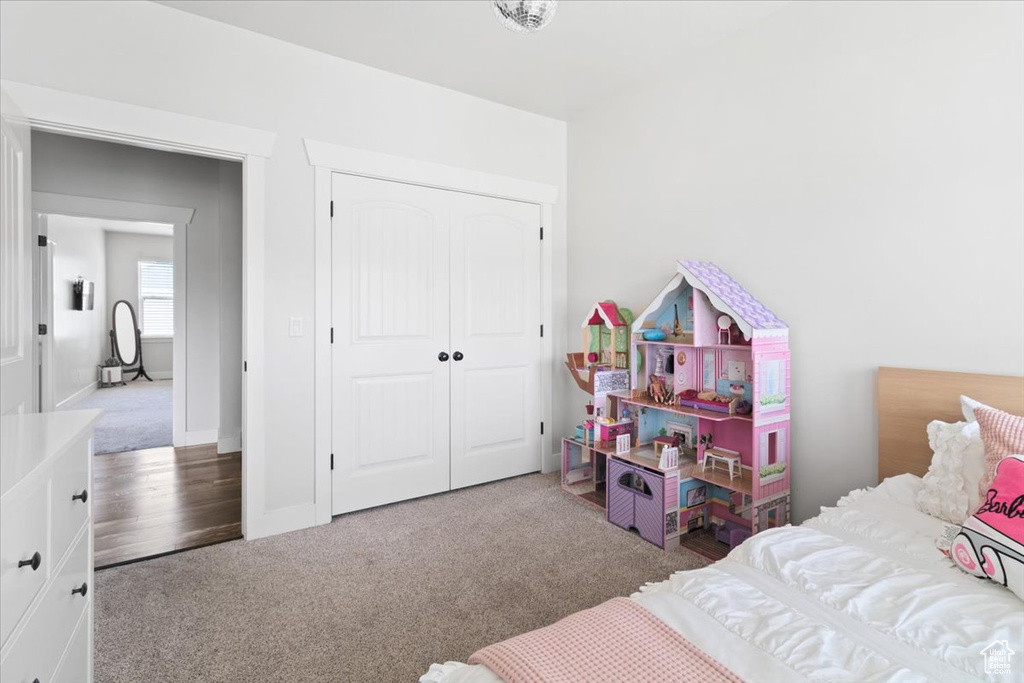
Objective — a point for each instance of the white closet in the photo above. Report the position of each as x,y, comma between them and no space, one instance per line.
436,353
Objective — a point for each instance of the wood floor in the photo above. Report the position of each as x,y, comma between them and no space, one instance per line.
161,500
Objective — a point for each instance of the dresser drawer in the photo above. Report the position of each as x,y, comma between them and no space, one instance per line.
23,521
67,514
49,629
76,667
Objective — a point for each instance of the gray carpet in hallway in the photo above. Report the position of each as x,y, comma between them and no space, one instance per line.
135,416
374,596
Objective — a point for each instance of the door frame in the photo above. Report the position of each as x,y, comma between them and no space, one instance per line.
44,203
327,158
82,116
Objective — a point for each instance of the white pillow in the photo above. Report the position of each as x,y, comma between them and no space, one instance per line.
967,406
950,488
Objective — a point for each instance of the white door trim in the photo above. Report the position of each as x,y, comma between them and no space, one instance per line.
46,203
99,119
389,167
110,209
328,158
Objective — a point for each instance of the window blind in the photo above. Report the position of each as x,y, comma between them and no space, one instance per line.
156,294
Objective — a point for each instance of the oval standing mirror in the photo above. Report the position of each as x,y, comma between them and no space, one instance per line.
125,342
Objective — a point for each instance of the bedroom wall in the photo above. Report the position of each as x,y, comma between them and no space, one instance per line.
859,167
91,168
134,52
78,336
124,251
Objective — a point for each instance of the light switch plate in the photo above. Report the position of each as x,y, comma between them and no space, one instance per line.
295,327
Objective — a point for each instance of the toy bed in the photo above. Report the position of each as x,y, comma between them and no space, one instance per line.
858,593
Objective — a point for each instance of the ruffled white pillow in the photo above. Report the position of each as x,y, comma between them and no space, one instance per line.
950,488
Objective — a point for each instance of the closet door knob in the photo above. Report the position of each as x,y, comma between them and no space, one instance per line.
443,356
81,591
457,355
33,562
83,496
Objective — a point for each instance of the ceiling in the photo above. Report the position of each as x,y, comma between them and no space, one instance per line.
592,48
136,227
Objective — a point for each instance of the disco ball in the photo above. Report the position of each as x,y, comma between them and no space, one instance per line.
524,16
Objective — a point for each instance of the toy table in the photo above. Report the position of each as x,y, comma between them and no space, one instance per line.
713,456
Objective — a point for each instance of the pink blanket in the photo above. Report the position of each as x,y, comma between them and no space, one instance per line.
615,641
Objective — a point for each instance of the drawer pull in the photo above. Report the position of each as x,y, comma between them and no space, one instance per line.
81,591
33,562
83,496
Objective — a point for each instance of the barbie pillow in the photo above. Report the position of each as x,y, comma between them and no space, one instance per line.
1003,435
991,542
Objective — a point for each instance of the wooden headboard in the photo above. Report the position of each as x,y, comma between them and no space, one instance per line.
909,399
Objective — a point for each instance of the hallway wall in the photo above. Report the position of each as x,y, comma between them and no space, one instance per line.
90,168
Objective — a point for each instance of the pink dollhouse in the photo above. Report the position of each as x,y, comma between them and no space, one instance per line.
709,373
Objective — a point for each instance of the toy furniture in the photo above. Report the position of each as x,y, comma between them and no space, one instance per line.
708,373
642,499
730,459
662,442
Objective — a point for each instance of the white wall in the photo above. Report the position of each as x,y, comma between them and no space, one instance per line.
157,57
78,336
90,168
859,166
124,251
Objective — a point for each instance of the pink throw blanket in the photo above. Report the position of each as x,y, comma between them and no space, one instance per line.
615,641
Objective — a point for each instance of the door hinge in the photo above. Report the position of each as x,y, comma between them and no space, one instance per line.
42,328
245,366
542,232
332,335
542,330
42,240
541,427
332,208
332,461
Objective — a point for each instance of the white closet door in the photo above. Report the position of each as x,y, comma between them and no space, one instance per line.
390,252
17,369
495,324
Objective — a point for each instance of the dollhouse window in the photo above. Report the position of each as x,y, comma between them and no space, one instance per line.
773,448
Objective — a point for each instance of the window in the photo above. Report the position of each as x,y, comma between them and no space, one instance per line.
156,298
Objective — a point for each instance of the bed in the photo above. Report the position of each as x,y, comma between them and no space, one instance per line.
858,593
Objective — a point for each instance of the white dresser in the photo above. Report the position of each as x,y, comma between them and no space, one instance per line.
46,547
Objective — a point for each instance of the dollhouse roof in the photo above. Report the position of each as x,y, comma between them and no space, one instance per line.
605,313
725,294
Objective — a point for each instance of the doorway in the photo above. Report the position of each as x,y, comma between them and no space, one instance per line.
158,346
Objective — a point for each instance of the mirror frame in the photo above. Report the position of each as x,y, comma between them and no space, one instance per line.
135,331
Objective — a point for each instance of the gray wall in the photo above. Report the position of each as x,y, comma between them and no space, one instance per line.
78,337
124,251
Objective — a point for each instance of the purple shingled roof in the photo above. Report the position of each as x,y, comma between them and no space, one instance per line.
740,300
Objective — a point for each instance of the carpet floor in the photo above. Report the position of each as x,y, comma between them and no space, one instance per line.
373,596
135,417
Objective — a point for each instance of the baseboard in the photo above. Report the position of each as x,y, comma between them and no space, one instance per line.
160,374
231,444
78,396
201,438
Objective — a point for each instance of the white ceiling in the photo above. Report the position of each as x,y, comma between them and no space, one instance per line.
591,49
136,227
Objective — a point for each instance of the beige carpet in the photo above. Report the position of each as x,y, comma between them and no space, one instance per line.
374,596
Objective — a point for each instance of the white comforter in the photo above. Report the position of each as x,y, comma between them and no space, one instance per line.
859,593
